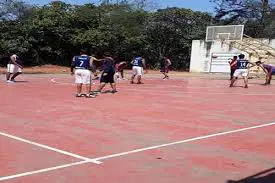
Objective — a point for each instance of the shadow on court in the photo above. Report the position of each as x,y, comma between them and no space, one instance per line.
21,81
266,176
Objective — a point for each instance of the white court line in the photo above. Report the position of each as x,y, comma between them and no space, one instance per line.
137,150
160,91
182,141
49,148
53,80
42,170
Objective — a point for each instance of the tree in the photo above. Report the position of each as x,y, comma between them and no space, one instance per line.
170,32
257,15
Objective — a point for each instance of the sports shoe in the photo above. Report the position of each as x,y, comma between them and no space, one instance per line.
78,95
94,92
90,95
10,81
114,91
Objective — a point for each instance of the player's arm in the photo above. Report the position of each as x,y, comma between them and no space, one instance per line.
92,64
97,60
264,69
169,62
73,66
13,60
233,63
252,65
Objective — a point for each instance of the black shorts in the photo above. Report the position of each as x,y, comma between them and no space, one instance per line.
109,78
164,69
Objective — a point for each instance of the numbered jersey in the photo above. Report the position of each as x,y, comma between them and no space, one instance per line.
138,62
82,62
242,64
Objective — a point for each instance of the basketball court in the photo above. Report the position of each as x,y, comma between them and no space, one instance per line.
187,129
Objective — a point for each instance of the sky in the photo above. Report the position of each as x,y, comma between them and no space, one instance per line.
195,5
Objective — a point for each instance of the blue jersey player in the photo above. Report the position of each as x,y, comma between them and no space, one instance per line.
138,64
82,65
241,70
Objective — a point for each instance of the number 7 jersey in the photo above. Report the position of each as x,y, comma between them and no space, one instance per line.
82,62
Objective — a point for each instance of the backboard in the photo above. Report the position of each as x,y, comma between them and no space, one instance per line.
222,33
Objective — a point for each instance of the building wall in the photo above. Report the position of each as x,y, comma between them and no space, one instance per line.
202,52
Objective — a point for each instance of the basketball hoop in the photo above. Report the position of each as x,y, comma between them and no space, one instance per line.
224,33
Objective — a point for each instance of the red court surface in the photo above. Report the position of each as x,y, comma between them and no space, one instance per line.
182,130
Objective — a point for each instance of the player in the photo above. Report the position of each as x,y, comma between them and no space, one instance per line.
120,69
82,65
165,67
233,66
138,64
242,69
94,67
108,72
14,67
269,71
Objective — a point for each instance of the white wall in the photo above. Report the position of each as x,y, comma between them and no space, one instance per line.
202,51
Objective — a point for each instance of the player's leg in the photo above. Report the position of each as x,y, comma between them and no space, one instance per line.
87,79
101,86
112,82
78,82
17,71
162,70
231,73
245,77
103,81
122,73
15,75
139,75
245,81
269,77
235,77
134,74
8,75
10,68
166,73
78,89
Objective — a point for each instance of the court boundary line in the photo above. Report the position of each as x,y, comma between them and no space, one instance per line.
43,170
53,80
137,151
184,141
49,148
195,92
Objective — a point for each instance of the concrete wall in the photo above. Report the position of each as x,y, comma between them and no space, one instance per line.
202,51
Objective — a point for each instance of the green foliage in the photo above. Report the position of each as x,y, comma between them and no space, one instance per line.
170,32
55,32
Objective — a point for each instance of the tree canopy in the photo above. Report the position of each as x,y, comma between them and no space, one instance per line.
54,33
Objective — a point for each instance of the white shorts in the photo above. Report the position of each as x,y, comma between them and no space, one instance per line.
137,70
241,72
82,76
13,68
